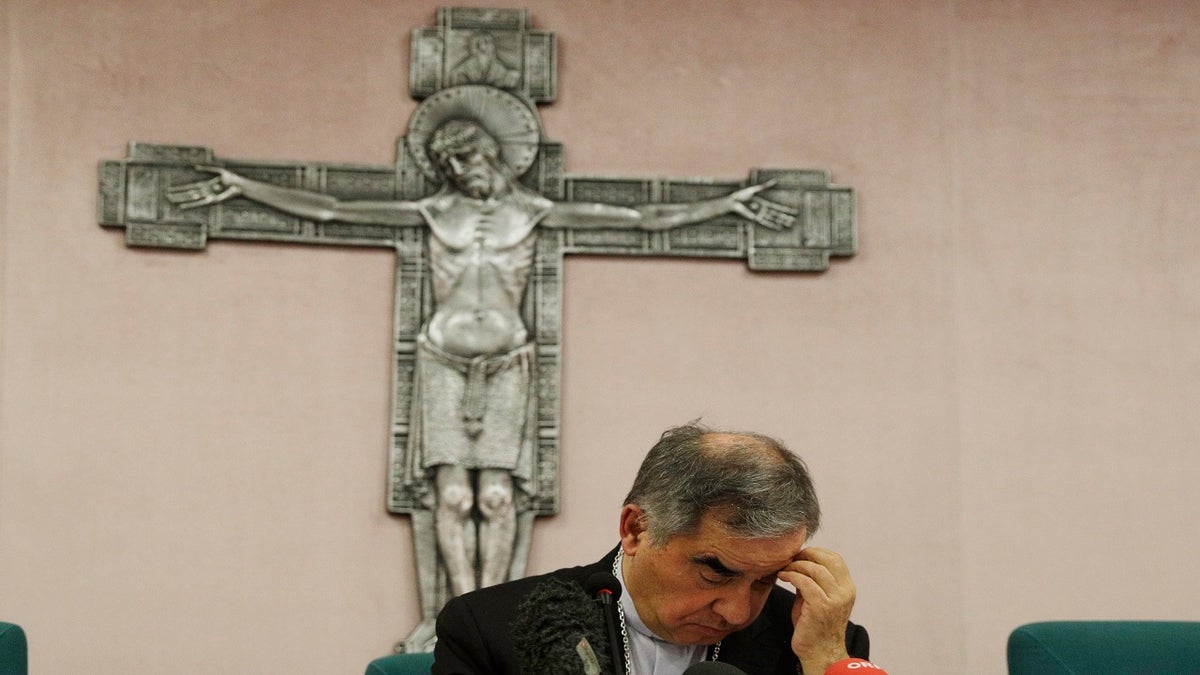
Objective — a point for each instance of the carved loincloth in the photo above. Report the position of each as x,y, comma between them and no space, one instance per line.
478,413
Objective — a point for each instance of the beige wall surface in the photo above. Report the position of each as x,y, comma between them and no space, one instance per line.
997,395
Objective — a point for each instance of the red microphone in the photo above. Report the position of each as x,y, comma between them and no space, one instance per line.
854,667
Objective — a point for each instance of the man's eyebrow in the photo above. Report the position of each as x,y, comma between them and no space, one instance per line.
714,563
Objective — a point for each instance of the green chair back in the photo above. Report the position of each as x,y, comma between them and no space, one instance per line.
1108,647
14,650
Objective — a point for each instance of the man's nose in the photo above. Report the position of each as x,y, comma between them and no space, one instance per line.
456,165
736,605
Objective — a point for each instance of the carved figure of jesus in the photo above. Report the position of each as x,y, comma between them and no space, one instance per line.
473,389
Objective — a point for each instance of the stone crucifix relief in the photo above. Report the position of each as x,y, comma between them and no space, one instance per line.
480,216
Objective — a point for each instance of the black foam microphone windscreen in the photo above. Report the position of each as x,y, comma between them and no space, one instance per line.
559,630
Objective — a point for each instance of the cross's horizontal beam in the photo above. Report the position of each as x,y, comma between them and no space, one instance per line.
816,219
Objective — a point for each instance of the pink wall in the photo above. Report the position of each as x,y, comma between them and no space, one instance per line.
997,395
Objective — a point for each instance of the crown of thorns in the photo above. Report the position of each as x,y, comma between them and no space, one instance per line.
507,119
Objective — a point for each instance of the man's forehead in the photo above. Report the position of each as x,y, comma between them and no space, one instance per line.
714,524
737,563
714,542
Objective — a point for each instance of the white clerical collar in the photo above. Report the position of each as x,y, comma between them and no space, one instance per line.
651,654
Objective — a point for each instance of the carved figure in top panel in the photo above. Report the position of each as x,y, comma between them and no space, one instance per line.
483,65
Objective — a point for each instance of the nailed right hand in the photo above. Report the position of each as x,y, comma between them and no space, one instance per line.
225,185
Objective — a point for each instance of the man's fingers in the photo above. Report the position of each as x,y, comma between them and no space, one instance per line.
812,585
831,560
819,574
825,597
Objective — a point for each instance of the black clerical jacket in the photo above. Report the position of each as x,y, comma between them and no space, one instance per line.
474,630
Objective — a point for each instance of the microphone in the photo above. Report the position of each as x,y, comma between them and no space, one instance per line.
713,668
606,589
853,666
844,667
557,631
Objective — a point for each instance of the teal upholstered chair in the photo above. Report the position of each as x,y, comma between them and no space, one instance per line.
1108,647
401,664
14,651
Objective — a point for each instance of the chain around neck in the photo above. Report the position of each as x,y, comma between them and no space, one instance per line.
625,650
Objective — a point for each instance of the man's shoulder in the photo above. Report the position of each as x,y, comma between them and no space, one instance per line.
512,592
475,630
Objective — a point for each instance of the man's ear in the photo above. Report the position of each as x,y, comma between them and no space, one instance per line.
633,528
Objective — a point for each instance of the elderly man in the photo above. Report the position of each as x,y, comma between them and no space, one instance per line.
713,520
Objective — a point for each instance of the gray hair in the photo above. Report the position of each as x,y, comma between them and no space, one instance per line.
750,482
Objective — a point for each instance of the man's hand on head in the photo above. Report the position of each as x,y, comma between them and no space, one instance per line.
824,597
